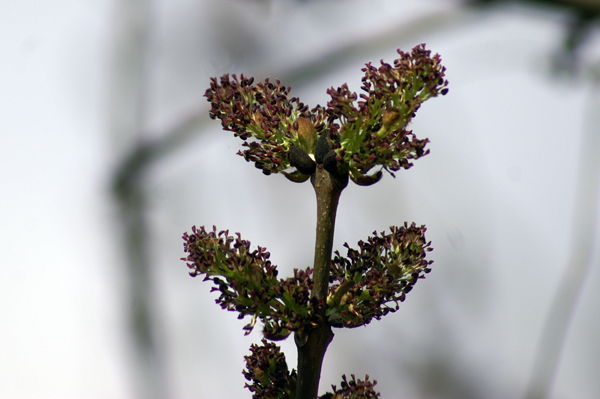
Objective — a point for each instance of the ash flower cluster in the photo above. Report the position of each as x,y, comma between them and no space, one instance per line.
268,373
367,281
373,131
360,135
363,285
353,389
248,283
269,377
264,112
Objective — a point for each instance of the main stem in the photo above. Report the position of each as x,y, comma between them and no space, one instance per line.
313,342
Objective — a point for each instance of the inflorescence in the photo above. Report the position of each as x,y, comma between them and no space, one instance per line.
384,269
248,282
269,377
360,135
353,389
267,372
362,285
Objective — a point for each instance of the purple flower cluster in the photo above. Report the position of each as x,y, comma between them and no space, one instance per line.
373,131
362,134
267,371
353,389
269,377
363,285
381,272
248,283
264,112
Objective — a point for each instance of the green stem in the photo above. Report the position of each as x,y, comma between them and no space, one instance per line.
328,192
312,343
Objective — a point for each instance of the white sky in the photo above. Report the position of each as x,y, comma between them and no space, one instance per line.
496,192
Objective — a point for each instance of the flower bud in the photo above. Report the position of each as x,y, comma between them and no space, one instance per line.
323,148
390,120
307,135
389,117
301,161
366,180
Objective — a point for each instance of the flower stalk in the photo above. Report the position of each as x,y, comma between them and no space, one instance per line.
327,189
312,342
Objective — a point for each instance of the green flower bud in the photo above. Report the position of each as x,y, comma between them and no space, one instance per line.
307,135
389,120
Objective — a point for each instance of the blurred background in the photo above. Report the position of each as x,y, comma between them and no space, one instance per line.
107,156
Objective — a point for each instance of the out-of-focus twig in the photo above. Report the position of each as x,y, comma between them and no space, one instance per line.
311,66
128,98
583,239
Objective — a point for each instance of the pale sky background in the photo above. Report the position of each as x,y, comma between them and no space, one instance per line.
497,194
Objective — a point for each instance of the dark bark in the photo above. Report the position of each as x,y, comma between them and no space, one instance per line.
311,351
312,343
